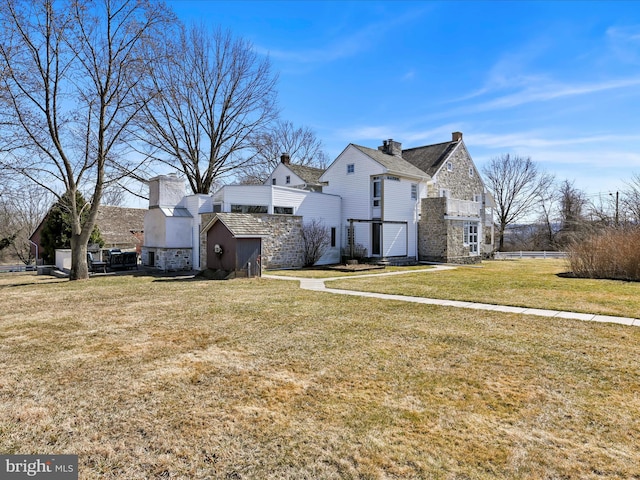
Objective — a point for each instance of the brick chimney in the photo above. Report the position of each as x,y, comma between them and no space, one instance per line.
285,159
456,136
390,147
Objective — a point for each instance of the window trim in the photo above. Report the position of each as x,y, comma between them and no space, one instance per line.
468,235
283,210
351,168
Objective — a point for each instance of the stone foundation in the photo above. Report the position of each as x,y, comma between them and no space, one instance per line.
168,259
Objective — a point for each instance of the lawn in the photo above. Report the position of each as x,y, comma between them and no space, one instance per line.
520,283
147,377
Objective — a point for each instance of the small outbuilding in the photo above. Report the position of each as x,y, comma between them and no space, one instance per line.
234,243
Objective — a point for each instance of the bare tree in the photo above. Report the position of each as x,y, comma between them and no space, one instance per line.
573,222
631,199
302,145
21,211
215,95
71,68
316,238
515,183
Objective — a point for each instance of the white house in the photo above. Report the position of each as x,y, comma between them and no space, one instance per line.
427,203
380,194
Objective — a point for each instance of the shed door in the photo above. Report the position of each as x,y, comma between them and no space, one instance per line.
248,257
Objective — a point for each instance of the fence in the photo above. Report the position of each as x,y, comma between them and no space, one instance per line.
17,268
523,254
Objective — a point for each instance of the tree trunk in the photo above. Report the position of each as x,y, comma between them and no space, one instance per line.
79,266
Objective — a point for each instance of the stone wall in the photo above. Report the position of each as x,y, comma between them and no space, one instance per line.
205,218
460,184
168,259
432,230
284,248
440,239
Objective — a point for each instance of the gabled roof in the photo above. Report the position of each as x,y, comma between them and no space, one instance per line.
310,175
117,223
393,163
242,224
430,157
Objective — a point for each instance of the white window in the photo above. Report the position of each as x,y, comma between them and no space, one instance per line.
287,179
235,208
414,191
283,210
471,172
377,191
351,168
444,192
470,236
450,166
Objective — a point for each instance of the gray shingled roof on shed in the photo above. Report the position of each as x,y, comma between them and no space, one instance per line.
430,157
393,163
310,175
244,224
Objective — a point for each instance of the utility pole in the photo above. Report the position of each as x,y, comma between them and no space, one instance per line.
617,223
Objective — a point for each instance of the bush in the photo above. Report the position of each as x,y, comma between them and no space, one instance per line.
613,253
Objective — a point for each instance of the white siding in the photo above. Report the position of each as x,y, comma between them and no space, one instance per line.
307,204
155,228
280,173
178,232
399,207
243,195
394,240
355,190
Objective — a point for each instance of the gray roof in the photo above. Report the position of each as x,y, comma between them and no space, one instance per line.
117,223
430,157
175,212
393,163
243,224
310,175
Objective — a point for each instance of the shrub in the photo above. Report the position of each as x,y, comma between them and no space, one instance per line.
613,253
315,236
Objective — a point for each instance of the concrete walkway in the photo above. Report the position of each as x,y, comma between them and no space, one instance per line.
318,285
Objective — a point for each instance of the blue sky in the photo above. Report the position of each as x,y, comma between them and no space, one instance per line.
556,81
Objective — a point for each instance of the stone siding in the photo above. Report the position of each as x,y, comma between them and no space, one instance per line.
282,248
432,230
205,218
441,239
168,259
460,185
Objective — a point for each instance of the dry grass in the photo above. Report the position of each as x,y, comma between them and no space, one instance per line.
146,378
521,283
319,272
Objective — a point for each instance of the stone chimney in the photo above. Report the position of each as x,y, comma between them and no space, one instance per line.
390,147
285,159
456,136
165,191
